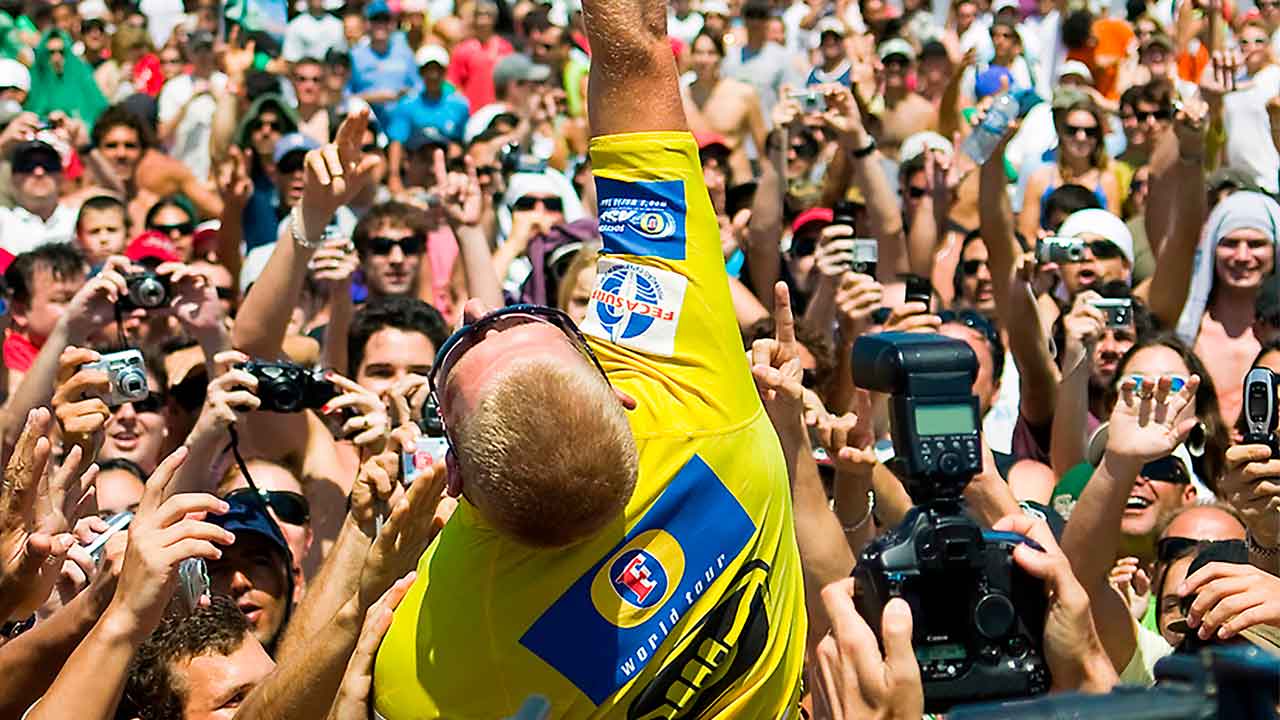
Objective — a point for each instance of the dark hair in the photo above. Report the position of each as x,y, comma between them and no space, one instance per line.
1208,465
62,260
388,213
716,42
179,201
125,464
120,116
154,691
1077,29
1068,199
402,313
102,203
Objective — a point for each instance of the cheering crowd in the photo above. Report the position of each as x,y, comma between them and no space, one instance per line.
493,358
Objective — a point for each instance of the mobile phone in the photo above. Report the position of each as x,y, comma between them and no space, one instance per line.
1119,311
1260,413
1060,250
98,546
919,289
863,258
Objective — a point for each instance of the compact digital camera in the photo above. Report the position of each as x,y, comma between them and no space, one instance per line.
1119,311
286,387
978,617
1260,415
145,290
1060,250
127,373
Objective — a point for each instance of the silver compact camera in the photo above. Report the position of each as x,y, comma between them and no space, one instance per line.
127,373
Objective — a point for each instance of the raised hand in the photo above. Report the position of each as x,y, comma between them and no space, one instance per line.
165,531
1150,420
852,679
352,701
335,174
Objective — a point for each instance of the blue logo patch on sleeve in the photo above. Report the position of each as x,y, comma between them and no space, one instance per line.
609,624
646,219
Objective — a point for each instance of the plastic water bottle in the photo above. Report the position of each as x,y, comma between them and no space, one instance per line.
984,138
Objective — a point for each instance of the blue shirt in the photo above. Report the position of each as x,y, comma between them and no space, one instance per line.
448,114
396,70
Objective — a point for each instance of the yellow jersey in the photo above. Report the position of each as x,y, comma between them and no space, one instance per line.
689,605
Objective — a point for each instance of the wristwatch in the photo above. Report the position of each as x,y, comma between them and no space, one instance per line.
863,152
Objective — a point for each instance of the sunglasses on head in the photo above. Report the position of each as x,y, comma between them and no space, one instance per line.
1090,131
411,245
182,228
152,403
529,202
971,267
290,507
29,164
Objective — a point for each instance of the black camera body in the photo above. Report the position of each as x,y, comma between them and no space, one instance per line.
286,387
978,617
145,290
1260,412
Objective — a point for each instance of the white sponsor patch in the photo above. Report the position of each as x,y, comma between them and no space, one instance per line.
636,306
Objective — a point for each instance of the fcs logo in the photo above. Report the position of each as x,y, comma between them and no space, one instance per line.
637,580
628,301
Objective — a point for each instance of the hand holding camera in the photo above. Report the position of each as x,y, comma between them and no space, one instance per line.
162,535
1150,419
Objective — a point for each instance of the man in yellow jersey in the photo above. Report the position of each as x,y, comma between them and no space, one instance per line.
624,546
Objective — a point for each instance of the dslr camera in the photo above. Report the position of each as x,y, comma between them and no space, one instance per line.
127,373
1260,415
286,387
145,290
979,618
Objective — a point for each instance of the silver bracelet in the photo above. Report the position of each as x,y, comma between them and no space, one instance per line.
871,506
298,232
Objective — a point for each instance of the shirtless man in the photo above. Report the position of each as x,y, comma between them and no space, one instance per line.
905,111
723,106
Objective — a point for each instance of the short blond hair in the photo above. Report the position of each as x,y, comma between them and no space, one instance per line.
548,455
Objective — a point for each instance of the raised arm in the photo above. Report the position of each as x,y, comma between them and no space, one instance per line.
633,85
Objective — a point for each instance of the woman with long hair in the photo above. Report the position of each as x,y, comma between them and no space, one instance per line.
1082,160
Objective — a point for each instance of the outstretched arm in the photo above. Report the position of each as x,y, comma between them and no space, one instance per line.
633,85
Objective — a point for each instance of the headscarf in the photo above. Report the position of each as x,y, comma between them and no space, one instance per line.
1239,210
74,92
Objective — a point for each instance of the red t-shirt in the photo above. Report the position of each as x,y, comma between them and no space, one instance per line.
19,351
471,68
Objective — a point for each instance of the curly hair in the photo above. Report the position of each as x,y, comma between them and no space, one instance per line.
154,691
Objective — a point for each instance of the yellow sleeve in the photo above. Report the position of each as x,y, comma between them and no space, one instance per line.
661,317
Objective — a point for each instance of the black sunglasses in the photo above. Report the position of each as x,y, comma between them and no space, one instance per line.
29,163
411,245
182,228
1171,548
970,267
529,202
152,403
1091,131
289,506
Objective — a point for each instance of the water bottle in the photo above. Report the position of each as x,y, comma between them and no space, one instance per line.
984,138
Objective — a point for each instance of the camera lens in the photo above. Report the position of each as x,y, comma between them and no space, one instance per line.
132,384
148,293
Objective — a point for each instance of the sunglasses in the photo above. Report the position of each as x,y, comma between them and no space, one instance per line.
290,507
468,336
529,202
1090,131
411,245
971,267
152,403
1167,469
1157,114
182,228
29,164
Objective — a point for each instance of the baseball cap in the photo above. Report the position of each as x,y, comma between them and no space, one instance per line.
715,7
822,215
517,66
293,142
14,74
432,54
248,515
1076,68
152,245
916,144
377,8
896,46
28,154
1103,223
426,137
831,24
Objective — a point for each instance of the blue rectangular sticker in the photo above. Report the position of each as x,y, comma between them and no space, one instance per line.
646,219
610,623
